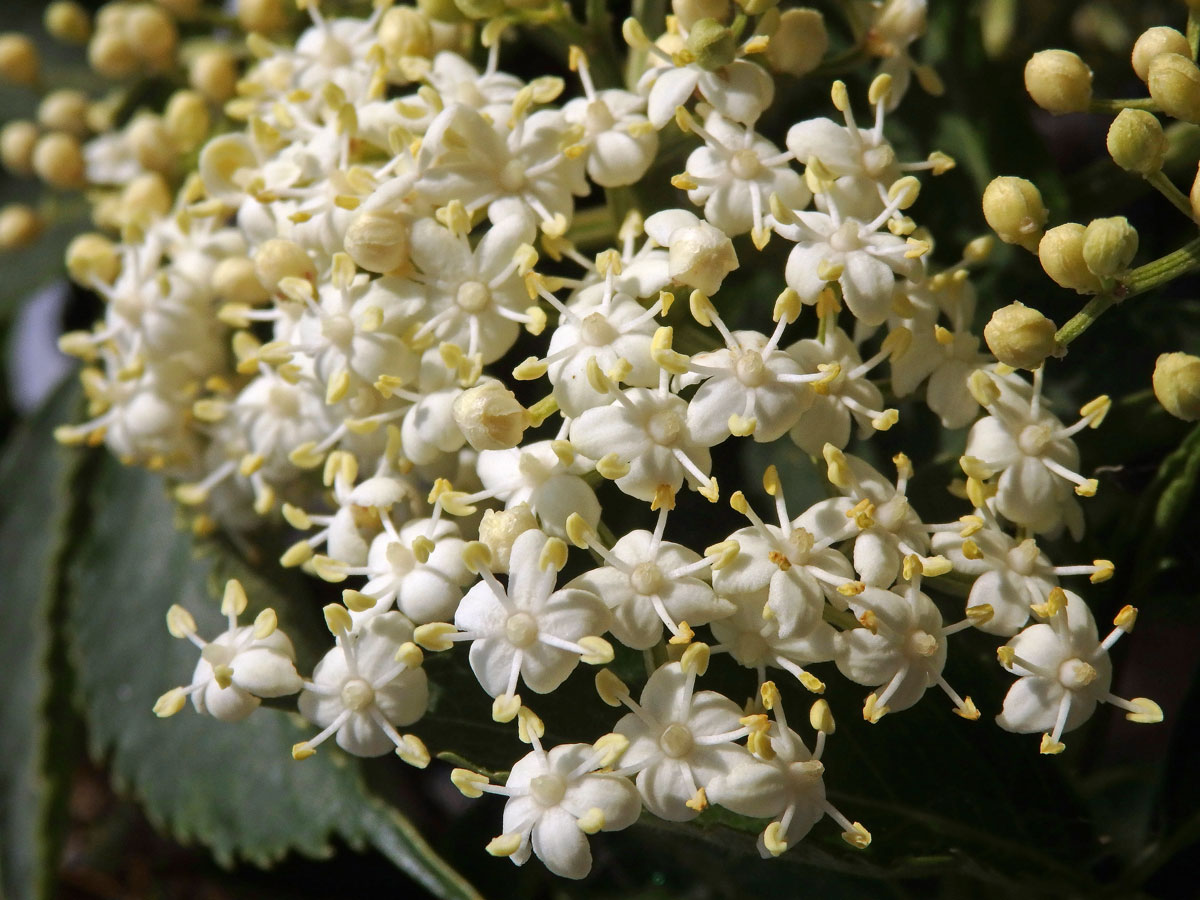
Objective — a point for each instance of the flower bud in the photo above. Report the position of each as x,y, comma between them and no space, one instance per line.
186,120
214,74
58,161
1109,246
1154,41
1174,83
404,31
263,16
378,241
712,44
17,140
235,280
110,55
92,258
67,21
689,12
20,226
278,259
500,528
698,254
1061,253
1058,81
1177,385
64,110
18,60
145,198
1136,142
151,34
1013,208
490,416
1019,336
151,143
799,43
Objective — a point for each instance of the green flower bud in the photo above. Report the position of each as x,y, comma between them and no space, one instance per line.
1061,253
1013,208
1136,142
1059,81
1109,245
1177,385
1174,83
1154,41
1019,336
712,44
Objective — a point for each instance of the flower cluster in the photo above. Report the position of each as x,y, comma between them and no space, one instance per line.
324,329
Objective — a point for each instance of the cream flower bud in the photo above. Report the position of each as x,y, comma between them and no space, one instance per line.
1061,253
58,161
64,110
1019,336
712,44
1154,41
490,416
110,55
264,16
1013,208
67,21
234,279
214,74
20,226
151,143
186,120
1136,141
92,258
17,140
403,31
278,259
1174,83
378,241
146,197
19,61
499,528
151,33
799,43
1109,245
1058,81
1177,385
689,12
699,255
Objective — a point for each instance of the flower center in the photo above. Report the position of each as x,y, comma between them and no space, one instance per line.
596,330
664,427
512,176
473,296
283,402
548,789
646,578
521,629
339,329
335,54
676,741
1075,674
1033,439
846,237
357,694
922,643
744,164
749,369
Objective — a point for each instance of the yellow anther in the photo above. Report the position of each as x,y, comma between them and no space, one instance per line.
598,381
410,655
1147,712
222,675
180,622
916,249
787,306
773,839
337,619
1051,747
837,469
758,723
610,688
885,420
413,751
1055,603
578,530
613,746
968,710
265,624
811,682
535,320
421,548
664,498
234,601
210,410
296,517
869,621
971,525
699,801
528,723
505,707
1007,656
779,212
904,466
476,556
435,636
982,388
980,614
943,336
862,513
933,566
695,658
738,501
598,652
769,693
612,467
553,555
725,552
851,588
542,410
897,342
771,483
880,89
504,845
971,550
759,743
683,635
701,308
328,569
820,717
303,750
979,492
684,182
662,354
564,451
357,601
830,271
741,426
187,494
872,711
170,703
858,836
453,503
530,369
840,96
1096,410
1088,488
711,491
591,821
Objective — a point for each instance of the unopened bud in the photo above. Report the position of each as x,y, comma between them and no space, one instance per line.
1059,81
58,161
17,140
234,280
20,226
278,259
64,110
490,416
1177,385
1174,83
151,143
1013,208
92,258
110,55
712,44
1154,41
1136,141
500,528
699,255
689,12
214,74
1019,336
263,16
1109,246
151,34
19,62
799,43
145,198
1061,253
67,21
403,31
378,241
186,120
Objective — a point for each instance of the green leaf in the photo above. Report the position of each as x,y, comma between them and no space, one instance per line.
36,736
233,788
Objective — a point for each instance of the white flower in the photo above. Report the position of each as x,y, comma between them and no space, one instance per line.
756,642
535,475
418,568
365,686
700,254
621,143
740,90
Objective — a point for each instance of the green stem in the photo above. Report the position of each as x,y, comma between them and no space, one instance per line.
1115,106
1167,188
1140,280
